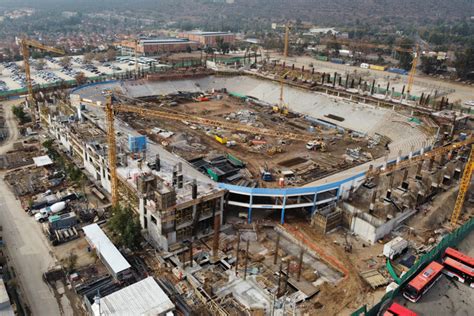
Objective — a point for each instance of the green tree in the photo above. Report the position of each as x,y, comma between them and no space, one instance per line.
80,78
405,58
222,46
429,65
111,54
65,61
124,223
20,114
465,63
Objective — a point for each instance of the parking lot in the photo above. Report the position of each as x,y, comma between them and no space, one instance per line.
12,75
446,297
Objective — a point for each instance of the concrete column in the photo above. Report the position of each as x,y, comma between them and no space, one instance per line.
404,181
314,203
399,157
410,155
282,220
249,216
418,171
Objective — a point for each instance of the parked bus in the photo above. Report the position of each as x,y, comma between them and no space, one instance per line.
459,265
398,310
423,281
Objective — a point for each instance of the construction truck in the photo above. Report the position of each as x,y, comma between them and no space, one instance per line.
316,145
221,139
266,174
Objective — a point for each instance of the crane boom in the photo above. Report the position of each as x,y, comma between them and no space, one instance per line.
463,188
406,163
214,123
110,108
25,45
411,75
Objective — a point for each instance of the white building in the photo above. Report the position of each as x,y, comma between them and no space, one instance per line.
142,298
110,256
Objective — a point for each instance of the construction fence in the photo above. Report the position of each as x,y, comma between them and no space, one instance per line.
448,241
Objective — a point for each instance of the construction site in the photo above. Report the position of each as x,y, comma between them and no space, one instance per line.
259,190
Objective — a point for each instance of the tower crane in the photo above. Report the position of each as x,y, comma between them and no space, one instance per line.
463,188
25,45
111,107
465,180
416,57
431,154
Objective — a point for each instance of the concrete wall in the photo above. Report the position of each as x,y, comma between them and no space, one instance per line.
372,229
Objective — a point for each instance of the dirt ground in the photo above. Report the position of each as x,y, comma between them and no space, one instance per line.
313,164
77,247
349,294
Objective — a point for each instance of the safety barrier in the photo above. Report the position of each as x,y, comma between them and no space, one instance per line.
448,241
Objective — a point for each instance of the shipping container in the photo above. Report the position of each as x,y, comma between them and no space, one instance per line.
322,58
398,71
212,174
337,61
62,221
377,67
235,161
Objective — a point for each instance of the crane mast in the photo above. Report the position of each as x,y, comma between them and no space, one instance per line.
463,188
25,45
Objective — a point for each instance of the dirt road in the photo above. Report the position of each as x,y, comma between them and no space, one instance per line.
457,91
28,250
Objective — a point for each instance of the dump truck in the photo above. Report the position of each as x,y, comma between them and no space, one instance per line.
395,247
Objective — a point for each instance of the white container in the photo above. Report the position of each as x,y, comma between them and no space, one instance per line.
394,247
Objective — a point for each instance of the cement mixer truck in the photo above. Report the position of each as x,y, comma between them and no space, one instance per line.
46,212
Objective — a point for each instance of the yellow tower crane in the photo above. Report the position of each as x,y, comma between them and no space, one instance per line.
110,108
25,45
463,188
409,162
411,75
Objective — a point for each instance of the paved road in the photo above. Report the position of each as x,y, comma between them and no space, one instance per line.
447,297
27,247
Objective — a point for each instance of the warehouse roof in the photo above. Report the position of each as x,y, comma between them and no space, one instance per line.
42,161
142,298
210,33
108,252
164,40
